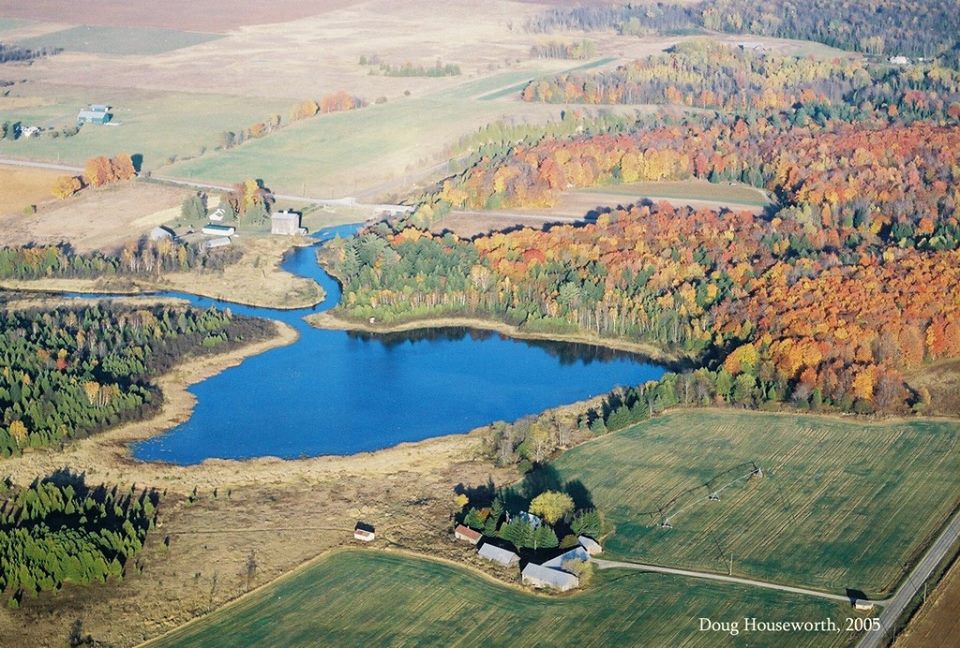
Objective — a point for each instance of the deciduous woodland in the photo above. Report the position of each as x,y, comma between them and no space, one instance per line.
70,372
851,282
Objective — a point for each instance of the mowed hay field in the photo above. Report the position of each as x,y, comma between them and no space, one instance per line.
20,187
372,598
841,504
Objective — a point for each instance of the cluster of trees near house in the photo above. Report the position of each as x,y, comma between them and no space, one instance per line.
882,27
578,50
70,372
60,531
560,522
97,172
850,284
706,75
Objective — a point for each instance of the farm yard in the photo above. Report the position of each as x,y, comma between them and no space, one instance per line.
445,605
840,504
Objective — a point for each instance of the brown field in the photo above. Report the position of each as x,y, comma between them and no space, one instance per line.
942,380
22,187
190,15
103,218
937,624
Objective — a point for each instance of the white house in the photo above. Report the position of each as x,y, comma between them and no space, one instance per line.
540,576
498,555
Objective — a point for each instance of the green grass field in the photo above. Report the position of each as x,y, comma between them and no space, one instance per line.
118,40
690,190
157,125
371,598
842,504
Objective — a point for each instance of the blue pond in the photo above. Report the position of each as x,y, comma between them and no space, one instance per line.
334,392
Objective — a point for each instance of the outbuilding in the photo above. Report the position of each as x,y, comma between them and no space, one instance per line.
286,223
463,532
592,546
212,229
160,233
863,604
94,114
577,554
498,555
364,532
218,242
540,576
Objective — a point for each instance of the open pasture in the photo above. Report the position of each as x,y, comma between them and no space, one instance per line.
841,504
373,598
118,40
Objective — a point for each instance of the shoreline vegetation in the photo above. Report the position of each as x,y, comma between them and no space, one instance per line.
256,279
332,321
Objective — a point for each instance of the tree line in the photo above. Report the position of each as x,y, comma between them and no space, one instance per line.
59,531
11,53
70,372
883,27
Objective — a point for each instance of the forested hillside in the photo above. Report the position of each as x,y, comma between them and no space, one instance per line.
70,372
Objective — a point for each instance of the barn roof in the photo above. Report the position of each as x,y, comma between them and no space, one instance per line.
496,554
552,577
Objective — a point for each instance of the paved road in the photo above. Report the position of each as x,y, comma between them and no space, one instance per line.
40,165
897,603
615,564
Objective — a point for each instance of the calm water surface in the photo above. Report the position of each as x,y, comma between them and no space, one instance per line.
333,392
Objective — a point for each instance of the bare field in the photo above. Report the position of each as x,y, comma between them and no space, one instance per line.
937,621
942,381
102,218
20,187
193,15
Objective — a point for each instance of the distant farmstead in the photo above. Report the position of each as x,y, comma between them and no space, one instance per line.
94,114
466,533
286,223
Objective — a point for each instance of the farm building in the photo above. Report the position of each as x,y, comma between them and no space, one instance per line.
217,215
220,241
364,532
577,554
863,604
529,518
212,229
498,555
540,576
286,223
94,114
899,60
161,232
592,546
466,533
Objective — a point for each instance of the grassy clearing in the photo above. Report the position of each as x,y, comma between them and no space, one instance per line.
688,190
371,598
118,40
515,89
157,125
339,153
842,504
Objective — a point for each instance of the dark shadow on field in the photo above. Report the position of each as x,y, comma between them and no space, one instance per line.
544,477
856,595
137,160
